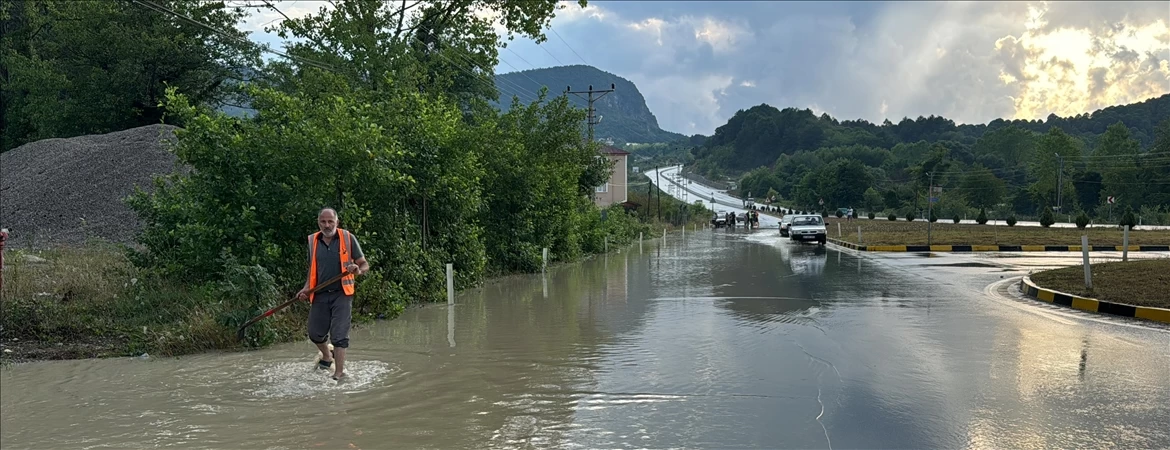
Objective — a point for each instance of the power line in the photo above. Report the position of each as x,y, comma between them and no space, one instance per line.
263,47
558,35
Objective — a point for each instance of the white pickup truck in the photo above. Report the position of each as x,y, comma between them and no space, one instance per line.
807,227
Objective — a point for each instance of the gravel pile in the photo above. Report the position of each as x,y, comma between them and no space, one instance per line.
64,191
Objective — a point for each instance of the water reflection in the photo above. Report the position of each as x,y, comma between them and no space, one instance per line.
721,339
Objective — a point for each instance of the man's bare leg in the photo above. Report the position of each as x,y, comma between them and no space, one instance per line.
339,363
324,348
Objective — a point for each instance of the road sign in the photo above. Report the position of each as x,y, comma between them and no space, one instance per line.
822,201
1112,199
934,199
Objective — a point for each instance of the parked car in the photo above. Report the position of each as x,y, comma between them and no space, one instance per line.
784,223
720,219
808,227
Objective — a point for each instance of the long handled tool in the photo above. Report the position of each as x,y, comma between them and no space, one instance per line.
240,333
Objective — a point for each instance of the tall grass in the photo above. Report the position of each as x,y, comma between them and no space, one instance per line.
93,294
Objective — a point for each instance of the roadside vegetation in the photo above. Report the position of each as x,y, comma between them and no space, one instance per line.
387,120
1006,168
1135,282
901,232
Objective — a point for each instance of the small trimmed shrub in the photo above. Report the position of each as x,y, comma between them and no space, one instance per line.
1128,218
933,217
1082,221
872,215
910,216
1011,221
982,219
956,218
1046,219
892,217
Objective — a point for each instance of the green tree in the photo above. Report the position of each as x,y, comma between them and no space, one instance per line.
436,47
84,67
873,200
535,160
1014,146
1116,158
1154,170
1045,167
982,188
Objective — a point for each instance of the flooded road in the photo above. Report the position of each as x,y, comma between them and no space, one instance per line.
727,339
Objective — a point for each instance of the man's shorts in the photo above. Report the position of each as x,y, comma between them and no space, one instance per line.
330,315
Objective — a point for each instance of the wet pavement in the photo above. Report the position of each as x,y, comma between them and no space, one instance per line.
722,339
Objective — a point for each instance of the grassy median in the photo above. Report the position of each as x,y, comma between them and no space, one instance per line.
1142,283
901,232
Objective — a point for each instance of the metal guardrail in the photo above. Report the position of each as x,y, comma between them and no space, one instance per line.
704,181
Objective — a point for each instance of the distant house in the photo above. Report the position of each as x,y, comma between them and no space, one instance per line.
614,189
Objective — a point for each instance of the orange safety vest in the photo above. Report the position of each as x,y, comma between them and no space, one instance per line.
347,282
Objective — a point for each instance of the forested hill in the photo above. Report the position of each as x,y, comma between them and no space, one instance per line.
1007,167
625,116
758,136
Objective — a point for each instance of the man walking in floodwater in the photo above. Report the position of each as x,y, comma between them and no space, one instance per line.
330,250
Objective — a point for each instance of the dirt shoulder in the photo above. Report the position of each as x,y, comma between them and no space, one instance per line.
884,232
1140,283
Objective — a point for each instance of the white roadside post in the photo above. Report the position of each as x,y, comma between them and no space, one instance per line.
1125,245
1085,257
450,284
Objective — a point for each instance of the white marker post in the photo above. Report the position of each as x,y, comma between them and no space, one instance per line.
838,229
1085,257
450,284
858,235
1125,245
544,259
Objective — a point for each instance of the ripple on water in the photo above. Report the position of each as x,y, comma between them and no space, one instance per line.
298,379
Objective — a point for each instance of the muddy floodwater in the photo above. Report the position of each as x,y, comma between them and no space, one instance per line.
721,339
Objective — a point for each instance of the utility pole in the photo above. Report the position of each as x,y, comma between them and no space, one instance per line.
590,119
1059,180
929,208
659,186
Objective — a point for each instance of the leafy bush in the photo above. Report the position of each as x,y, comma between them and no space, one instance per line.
1082,220
1046,218
1128,218
982,219
872,215
910,216
892,217
956,218
1011,221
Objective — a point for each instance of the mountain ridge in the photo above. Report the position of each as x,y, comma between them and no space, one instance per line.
625,117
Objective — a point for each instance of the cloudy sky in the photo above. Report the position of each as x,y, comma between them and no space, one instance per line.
697,63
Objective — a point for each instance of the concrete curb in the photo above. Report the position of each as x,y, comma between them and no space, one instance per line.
1093,305
996,248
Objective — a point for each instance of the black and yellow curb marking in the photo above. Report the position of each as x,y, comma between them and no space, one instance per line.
997,248
1093,305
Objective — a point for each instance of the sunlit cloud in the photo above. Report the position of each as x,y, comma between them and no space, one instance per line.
1068,71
